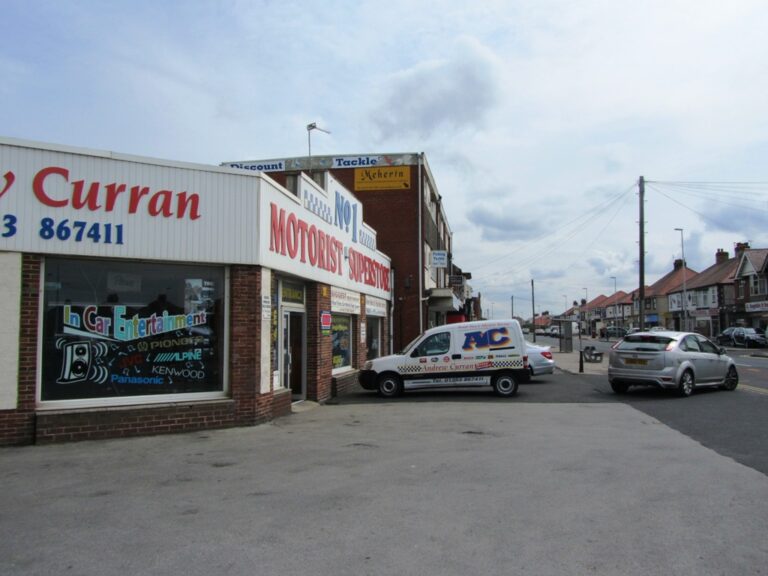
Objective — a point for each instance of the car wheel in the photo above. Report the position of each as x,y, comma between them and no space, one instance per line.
731,379
390,386
619,388
686,385
505,385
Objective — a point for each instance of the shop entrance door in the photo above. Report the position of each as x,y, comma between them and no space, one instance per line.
294,374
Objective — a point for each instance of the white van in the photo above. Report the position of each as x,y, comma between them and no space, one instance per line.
483,353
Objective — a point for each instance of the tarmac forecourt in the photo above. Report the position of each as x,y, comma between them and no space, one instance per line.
402,487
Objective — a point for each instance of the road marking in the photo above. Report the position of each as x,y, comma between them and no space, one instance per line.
754,389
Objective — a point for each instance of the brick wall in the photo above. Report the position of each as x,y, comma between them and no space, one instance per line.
68,425
246,405
319,346
17,426
394,216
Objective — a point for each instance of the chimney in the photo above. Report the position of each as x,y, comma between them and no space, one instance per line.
678,264
721,256
740,248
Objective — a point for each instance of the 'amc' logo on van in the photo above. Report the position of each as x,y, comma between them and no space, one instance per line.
490,338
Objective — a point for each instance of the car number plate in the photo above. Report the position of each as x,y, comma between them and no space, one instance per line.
636,361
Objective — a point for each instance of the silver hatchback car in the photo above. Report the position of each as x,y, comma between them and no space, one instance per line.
679,361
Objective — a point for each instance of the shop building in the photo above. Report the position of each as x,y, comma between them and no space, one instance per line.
751,279
143,296
402,202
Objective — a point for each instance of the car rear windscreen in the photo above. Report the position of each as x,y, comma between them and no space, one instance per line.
644,343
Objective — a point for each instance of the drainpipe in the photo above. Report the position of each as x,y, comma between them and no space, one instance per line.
420,244
391,349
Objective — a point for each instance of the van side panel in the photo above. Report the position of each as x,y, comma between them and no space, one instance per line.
477,352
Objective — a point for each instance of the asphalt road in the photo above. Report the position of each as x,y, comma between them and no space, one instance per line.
564,479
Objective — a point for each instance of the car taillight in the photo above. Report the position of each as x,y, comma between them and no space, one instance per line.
525,361
547,355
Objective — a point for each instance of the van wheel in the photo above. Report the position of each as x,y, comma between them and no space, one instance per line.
505,385
390,386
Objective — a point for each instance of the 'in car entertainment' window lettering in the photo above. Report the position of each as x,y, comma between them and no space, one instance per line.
116,329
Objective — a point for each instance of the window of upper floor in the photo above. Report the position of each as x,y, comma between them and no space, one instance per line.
757,285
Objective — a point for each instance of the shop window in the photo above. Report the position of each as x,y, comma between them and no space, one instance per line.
341,332
116,329
373,337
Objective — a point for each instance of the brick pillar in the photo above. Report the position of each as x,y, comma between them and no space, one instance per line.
18,426
244,347
362,345
319,347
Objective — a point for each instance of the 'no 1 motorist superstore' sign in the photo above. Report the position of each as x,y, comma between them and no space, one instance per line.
60,200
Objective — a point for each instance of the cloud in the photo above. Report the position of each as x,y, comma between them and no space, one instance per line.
547,274
733,219
454,94
500,223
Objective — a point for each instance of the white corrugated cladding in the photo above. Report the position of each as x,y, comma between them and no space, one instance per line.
69,201
222,228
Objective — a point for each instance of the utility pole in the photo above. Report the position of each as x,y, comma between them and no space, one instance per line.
641,292
512,304
533,310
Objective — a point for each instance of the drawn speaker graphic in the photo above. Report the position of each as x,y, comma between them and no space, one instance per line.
77,362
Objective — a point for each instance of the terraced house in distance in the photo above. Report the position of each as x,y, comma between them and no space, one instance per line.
403,204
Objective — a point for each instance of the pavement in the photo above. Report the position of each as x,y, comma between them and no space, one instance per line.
454,486
569,362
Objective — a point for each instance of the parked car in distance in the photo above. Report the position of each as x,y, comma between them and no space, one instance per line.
615,332
680,361
739,336
540,332
539,359
554,331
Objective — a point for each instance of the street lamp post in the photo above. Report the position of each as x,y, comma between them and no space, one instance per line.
615,304
312,126
586,309
685,292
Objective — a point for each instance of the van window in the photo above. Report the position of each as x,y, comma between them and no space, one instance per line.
435,344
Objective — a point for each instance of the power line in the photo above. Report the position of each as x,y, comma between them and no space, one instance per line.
556,242
566,230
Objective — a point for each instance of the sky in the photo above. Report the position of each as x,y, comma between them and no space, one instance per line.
537,117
